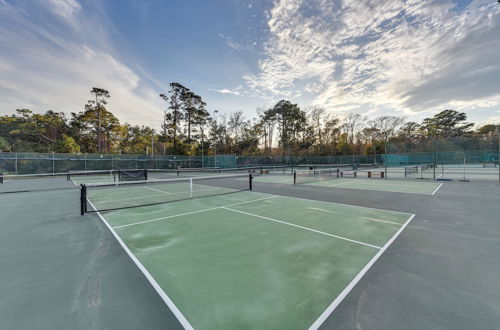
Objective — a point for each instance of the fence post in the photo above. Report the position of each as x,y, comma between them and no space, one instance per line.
433,159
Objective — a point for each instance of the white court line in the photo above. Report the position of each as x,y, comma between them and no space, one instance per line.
329,310
192,212
348,205
365,218
182,319
164,192
338,184
302,227
317,208
435,191
389,191
380,220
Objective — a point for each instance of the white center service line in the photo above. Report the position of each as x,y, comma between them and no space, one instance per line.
306,228
192,212
318,209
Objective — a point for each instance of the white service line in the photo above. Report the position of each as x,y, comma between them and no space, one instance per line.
302,227
435,191
192,212
157,190
329,310
178,314
348,205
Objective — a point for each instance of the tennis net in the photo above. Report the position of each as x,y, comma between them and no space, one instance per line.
409,170
195,172
315,175
366,166
121,195
425,167
132,175
88,176
11,183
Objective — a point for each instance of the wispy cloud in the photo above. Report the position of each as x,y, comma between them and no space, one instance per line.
65,8
230,43
405,55
236,91
47,65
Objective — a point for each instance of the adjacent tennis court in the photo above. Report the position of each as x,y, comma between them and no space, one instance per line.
426,188
377,184
244,258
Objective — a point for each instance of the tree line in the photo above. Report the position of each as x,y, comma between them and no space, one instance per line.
187,128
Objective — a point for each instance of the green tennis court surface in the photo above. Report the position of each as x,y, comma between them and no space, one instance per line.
412,187
427,188
252,259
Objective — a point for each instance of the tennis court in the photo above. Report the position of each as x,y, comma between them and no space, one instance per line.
376,184
246,258
218,250
426,188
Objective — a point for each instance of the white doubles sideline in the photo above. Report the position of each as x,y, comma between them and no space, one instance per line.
329,310
178,314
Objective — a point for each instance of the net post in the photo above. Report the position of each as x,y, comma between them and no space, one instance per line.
83,199
294,177
250,181
146,174
1,177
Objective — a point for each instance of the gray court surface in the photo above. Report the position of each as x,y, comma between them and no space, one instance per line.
62,271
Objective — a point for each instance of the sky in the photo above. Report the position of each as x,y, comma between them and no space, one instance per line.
409,58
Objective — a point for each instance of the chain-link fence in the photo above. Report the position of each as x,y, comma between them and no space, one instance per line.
461,158
37,163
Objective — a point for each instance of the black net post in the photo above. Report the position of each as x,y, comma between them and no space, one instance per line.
1,177
145,174
294,177
250,179
83,199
